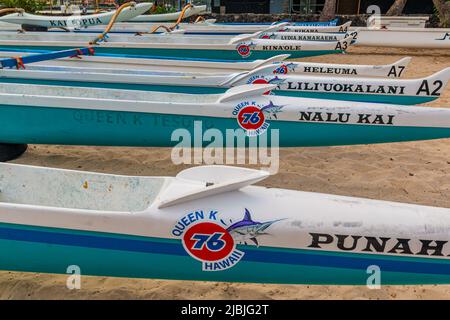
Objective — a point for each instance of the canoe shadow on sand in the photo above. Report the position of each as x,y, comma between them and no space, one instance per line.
11,151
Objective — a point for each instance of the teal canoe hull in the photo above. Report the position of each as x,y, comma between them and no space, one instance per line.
44,125
53,250
181,53
375,98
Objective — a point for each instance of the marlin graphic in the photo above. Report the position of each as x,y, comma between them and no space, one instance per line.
276,81
272,110
446,36
290,66
247,229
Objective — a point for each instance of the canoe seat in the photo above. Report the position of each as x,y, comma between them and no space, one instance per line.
76,189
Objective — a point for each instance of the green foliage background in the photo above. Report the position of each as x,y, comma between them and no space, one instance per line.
29,6
162,9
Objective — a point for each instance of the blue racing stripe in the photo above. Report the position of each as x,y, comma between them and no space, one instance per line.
261,254
360,262
128,56
91,241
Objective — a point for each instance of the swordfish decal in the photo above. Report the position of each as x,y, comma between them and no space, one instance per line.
247,229
277,81
272,110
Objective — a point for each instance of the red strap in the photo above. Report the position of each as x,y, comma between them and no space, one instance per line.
91,52
79,53
19,63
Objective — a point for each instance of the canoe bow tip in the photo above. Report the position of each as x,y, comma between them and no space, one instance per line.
443,75
403,61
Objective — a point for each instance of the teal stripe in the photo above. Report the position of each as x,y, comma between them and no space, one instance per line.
36,257
20,124
55,258
191,53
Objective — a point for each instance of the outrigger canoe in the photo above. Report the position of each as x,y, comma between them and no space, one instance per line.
307,36
38,114
105,61
76,21
294,23
206,28
210,224
399,91
9,27
422,38
314,29
204,66
237,48
203,27
172,16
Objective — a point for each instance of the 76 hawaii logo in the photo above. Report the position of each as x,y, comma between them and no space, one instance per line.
213,245
206,239
244,49
212,241
252,117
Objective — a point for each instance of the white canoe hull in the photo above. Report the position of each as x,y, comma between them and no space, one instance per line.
214,29
237,48
75,21
217,29
161,227
192,11
92,116
308,36
399,91
421,38
157,64
394,70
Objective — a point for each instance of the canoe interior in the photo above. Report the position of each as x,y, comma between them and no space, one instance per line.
114,71
109,94
79,37
78,190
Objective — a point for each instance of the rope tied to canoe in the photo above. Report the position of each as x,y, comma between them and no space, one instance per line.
173,27
19,63
80,53
104,35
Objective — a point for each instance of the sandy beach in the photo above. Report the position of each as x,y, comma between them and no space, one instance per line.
416,172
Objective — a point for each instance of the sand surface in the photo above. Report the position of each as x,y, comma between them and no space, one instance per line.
417,172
